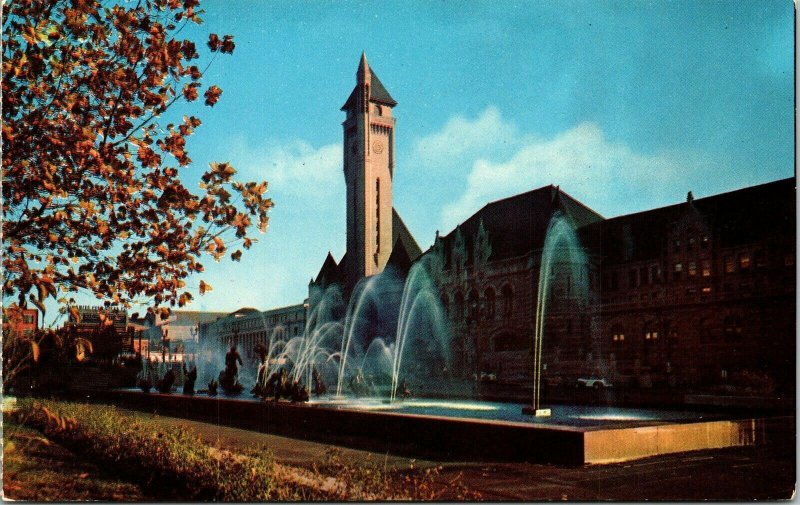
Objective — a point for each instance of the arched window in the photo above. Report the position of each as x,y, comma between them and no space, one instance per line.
490,303
508,301
474,306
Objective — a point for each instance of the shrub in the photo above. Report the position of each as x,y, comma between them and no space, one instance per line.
175,464
170,462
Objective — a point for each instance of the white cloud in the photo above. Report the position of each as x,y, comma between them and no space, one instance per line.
461,137
605,175
293,167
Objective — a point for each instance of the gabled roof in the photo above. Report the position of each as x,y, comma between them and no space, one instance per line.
330,272
401,234
518,224
399,258
738,217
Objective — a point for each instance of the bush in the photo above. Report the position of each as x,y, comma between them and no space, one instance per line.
170,462
175,464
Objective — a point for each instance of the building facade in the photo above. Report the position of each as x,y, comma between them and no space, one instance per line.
22,321
696,295
107,328
693,295
171,338
248,327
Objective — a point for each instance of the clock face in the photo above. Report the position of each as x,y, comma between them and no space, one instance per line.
377,147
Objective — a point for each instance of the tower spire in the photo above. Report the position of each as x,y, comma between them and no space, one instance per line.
363,72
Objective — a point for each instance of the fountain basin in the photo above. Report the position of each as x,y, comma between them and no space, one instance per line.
435,429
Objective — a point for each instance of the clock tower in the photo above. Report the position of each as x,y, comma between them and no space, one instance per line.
368,170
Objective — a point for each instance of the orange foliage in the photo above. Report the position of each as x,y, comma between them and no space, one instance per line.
92,192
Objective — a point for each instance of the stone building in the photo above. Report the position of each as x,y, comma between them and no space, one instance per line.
681,296
106,328
695,292
248,327
686,296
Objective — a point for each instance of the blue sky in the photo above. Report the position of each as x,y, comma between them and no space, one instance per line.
625,105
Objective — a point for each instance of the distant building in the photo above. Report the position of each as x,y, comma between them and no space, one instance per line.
23,321
248,327
105,327
172,338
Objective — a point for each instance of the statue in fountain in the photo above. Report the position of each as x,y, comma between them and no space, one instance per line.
298,392
229,378
319,386
357,385
165,384
191,377
259,389
282,385
268,387
144,384
231,360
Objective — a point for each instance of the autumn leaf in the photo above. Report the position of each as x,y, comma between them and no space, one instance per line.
204,288
212,95
213,42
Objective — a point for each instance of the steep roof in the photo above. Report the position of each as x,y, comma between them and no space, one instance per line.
401,234
518,224
330,272
738,217
378,94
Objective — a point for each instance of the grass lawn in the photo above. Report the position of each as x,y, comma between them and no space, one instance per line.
38,469
156,459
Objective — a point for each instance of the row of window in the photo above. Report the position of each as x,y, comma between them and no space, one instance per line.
649,275
732,329
258,322
477,307
248,341
691,243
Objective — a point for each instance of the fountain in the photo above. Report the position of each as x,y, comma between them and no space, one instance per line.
394,330
376,352
562,260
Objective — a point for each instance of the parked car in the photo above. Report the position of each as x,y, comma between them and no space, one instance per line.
593,382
